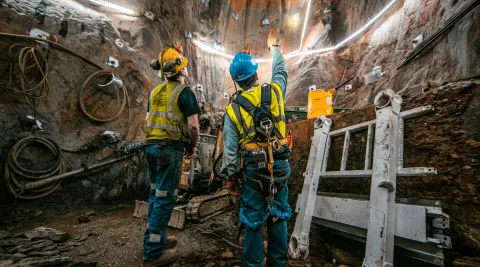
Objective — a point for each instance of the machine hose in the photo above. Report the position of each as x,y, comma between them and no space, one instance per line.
16,175
215,169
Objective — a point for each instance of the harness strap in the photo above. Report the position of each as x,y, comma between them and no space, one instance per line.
266,96
238,114
277,133
266,99
245,104
277,94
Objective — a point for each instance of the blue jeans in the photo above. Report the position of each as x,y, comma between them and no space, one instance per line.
254,209
164,170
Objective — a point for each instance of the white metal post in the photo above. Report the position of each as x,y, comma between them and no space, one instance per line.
382,214
299,240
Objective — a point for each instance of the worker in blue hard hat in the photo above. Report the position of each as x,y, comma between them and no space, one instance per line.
255,130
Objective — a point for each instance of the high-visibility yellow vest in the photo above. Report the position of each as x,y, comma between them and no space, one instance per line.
244,121
165,120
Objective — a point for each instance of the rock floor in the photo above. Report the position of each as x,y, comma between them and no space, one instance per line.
112,237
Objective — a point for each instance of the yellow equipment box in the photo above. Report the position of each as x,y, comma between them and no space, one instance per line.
320,102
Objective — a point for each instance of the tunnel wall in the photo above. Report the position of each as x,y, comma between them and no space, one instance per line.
92,33
448,139
386,44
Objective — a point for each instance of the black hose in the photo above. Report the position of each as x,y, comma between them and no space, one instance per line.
16,175
215,170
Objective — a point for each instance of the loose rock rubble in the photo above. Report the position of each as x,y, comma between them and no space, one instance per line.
41,247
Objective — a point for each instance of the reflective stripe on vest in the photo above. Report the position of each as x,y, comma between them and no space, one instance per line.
244,121
165,127
165,120
169,115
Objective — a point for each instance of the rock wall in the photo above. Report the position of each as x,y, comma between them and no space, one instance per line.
448,140
452,57
97,33
94,33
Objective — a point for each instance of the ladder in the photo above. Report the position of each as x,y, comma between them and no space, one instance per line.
380,220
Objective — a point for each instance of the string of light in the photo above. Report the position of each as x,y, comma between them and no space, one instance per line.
209,49
113,6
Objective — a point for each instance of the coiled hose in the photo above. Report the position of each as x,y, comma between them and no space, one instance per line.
16,175
120,103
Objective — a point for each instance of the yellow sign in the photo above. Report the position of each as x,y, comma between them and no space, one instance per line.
320,102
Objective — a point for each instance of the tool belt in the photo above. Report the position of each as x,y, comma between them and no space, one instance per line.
167,143
258,152
279,146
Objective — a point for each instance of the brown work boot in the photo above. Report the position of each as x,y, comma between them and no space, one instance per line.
169,256
171,242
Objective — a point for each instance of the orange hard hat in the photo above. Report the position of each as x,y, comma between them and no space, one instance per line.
172,61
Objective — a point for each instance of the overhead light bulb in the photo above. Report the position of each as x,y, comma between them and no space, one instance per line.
296,17
122,9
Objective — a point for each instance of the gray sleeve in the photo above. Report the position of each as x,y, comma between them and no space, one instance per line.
279,70
231,161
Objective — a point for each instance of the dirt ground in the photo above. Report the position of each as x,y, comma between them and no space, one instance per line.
116,238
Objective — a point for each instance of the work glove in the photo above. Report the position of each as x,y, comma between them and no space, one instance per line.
233,186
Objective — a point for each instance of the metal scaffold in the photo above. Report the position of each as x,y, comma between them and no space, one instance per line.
380,220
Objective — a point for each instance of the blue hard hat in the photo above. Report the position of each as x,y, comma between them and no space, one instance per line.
243,66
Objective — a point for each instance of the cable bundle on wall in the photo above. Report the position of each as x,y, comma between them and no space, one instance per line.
38,61
28,71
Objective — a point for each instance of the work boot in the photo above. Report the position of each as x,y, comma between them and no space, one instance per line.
171,242
169,256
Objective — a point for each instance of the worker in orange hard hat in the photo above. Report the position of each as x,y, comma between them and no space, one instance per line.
172,131
170,62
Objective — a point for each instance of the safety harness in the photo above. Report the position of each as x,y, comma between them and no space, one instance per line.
262,116
264,131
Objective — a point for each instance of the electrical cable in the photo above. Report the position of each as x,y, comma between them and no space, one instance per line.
27,66
209,49
66,50
53,44
444,29
14,173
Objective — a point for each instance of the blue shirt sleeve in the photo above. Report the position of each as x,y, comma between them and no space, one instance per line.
279,70
231,161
